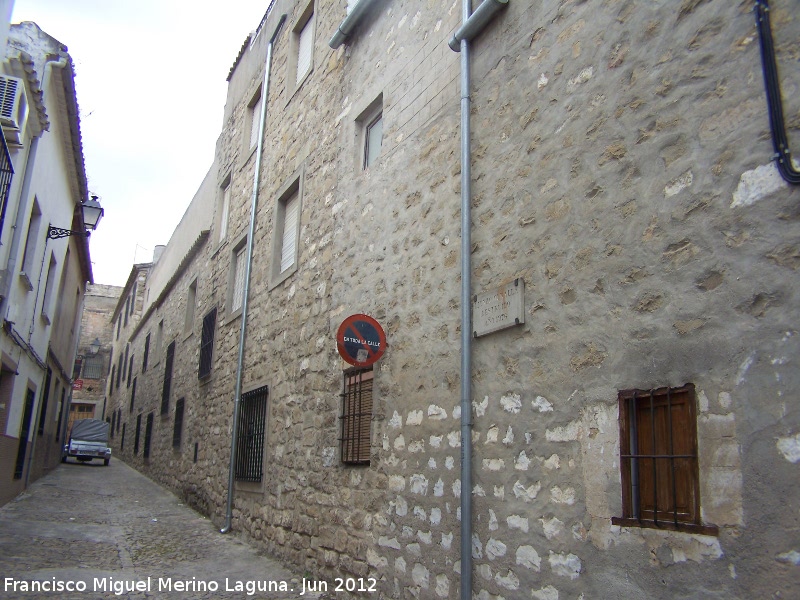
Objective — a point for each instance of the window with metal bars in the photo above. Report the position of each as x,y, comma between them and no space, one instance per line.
177,429
659,460
146,353
207,344
138,432
148,435
133,394
252,429
130,371
356,416
167,378
93,367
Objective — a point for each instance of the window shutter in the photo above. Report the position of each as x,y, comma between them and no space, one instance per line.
305,48
255,122
223,218
289,246
238,282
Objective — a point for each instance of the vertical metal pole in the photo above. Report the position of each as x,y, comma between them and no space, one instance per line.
634,439
672,459
653,450
466,321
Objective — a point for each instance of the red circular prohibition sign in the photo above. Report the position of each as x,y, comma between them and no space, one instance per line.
361,340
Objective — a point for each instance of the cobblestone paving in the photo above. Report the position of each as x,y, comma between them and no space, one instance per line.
106,529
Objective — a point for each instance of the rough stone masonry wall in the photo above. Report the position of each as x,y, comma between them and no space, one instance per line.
618,157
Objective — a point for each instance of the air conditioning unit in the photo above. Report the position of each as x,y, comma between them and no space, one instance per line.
11,106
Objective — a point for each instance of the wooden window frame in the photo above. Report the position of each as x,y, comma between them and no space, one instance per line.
355,442
659,462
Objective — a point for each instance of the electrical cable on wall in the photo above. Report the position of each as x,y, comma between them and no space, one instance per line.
783,155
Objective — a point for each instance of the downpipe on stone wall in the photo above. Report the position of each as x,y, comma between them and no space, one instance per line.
251,233
349,23
473,24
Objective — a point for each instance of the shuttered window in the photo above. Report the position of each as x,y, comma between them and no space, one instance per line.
305,49
223,217
177,430
659,459
356,417
207,344
146,353
254,113
148,435
138,433
237,297
289,245
250,439
165,390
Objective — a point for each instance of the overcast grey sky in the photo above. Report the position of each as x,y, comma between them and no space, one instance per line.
150,79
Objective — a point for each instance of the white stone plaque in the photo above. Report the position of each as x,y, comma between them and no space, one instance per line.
499,309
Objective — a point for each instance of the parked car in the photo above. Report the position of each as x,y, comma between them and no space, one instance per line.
88,440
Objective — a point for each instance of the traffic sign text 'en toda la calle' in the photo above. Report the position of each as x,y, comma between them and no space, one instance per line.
360,340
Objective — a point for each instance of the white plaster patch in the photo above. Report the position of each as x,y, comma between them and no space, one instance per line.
442,582
477,547
793,557
457,488
480,409
743,369
416,446
436,516
756,185
678,185
528,557
725,400
449,463
702,401
542,404
522,462
509,439
790,448
437,413
546,593
447,541
542,81
565,565
436,441
419,512
491,435
478,491
419,484
414,549
517,522
493,464
509,581
567,433
397,483
400,564
438,488
396,420
454,439
401,506
582,77
495,549
421,576
376,560
386,542
400,442
426,537
559,496
414,417
457,411
493,525
529,493
552,463
485,571
552,527
511,403
499,492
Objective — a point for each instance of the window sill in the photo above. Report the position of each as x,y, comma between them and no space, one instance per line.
666,526
26,281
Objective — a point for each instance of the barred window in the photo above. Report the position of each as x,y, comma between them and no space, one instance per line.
250,442
138,432
167,378
659,459
93,367
130,371
133,394
146,352
207,344
148,435
356,416
177,429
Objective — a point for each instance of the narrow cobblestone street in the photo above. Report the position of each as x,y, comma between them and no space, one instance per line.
100,530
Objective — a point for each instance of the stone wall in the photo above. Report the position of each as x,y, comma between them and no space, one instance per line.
619,152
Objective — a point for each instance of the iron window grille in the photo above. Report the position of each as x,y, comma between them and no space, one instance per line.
130,371
119,370
659,459
146,352
138,432
119,418
148,435
177,429
356,416
111,380
207,344
167,378
122,441
252,429
133,394
6,175
93,367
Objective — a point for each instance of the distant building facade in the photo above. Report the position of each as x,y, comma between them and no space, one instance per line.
42,280
632,432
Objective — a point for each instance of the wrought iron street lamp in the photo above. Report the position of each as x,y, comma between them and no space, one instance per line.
94,347
91,211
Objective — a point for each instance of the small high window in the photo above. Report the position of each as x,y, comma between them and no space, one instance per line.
167,386
238,268
356,417
177,430
207,344
250,439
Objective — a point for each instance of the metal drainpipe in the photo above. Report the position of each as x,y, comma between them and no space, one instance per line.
253,205
349,23
473,24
